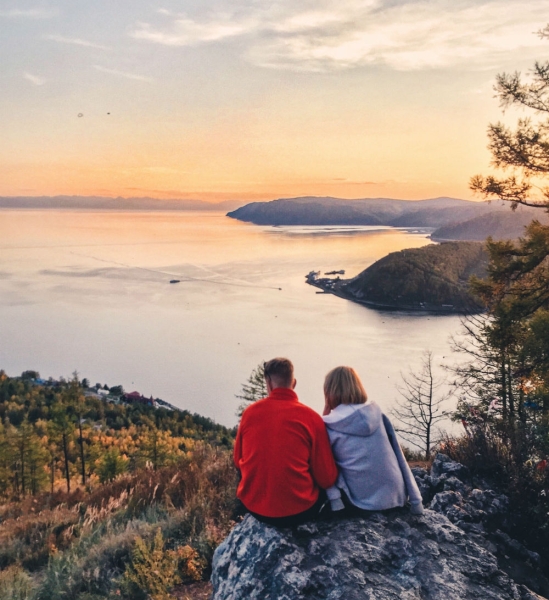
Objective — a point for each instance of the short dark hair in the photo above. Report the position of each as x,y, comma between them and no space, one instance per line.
281,370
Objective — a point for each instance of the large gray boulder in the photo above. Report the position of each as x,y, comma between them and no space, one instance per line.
456,550
384,556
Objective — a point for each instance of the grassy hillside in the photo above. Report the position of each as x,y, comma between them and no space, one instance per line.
105,500
432,277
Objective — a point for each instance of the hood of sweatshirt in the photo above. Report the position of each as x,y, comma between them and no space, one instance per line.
355,419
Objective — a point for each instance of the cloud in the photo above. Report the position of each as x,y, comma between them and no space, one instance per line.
187,32
328,35
34,79
75,41
29,13
123,74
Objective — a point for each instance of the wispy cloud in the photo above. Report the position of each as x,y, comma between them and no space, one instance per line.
75,41
34,79
29,13
123,74
338,34
187,32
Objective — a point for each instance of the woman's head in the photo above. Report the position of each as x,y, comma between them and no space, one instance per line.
343,386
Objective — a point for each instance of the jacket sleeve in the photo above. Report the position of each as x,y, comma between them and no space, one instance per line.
237,452
322,463
411,486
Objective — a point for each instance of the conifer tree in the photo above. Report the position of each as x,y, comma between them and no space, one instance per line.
62,431
111,464
157,448
525,150
74,398
6,459
253,389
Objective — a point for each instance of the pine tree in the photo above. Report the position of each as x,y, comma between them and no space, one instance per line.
526,149
157,448
112,464
254,389
61,429
6,459
74,398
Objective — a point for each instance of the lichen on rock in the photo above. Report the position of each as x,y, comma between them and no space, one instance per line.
445,554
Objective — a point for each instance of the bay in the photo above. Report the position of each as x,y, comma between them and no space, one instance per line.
90,291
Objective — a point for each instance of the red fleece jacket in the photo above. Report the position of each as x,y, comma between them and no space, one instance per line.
284,456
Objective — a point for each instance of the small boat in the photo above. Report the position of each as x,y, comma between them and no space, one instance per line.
175,280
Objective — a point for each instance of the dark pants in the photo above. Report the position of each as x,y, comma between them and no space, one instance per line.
351,510
317,511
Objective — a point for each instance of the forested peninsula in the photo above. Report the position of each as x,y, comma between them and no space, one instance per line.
433,278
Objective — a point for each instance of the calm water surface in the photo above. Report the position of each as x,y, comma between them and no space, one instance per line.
90,291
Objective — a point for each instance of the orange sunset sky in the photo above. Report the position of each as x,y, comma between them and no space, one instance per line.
250,100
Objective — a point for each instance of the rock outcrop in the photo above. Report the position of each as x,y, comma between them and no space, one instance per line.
445,554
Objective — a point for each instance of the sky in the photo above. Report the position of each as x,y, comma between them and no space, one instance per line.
227,99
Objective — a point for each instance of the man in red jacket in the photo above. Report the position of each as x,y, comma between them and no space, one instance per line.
283,453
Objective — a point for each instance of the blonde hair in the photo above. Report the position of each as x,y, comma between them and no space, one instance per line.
343,386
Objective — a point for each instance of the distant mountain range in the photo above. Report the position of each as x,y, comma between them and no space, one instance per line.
452,218
105,203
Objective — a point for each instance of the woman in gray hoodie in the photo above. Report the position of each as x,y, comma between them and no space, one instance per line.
373,472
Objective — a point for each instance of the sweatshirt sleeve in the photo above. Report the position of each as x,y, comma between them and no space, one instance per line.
411,486
334,496
322,463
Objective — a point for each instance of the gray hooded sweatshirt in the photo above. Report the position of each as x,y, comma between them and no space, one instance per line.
372,469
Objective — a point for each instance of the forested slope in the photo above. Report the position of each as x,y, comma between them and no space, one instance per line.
102,499
433,277
498,225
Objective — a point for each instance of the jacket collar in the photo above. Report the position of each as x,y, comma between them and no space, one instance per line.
282,394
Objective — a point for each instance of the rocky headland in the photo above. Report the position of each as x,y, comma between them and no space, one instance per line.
457,550
434,278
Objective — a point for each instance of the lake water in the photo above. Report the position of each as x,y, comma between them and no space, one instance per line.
90,291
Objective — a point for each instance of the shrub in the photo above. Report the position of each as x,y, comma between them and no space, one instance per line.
191,504
521,475
15,584
153,571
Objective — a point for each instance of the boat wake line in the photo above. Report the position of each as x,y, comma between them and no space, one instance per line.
181,278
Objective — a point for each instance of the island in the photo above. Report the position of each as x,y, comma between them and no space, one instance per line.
431,279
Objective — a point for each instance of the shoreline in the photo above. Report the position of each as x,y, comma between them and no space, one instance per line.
389,307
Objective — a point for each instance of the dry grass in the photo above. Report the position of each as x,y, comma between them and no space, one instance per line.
193,591
77,546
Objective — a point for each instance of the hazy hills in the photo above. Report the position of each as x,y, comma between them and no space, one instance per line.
452,218
500,225
312,210
429,278
105,203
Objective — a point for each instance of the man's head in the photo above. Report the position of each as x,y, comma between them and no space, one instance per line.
279,373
